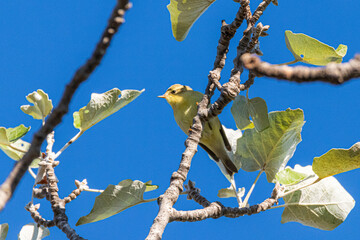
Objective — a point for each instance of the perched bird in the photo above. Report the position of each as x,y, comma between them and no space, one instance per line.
183,101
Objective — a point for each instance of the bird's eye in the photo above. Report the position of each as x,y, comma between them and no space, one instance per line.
173,92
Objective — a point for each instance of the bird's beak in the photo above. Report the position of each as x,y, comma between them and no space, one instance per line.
162,96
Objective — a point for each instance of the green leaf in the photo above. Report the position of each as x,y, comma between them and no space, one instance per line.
288,176
259,113
341,50
243,108
240,112
9,135
323,205
272,148
4,228
310,50
32,232
337,161
101,106
11,151
150,187
229,192
42,105
115,199
184,13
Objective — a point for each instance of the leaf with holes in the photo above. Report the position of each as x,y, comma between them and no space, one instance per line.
115,199
102,106
323,205
337,161
310,50
184,13
272,148
42,105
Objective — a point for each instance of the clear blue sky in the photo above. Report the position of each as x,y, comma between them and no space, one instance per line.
44,42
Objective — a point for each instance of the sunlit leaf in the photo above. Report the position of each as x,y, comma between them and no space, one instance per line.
115,199
288,176
103,105
16,155
32,232
310,50
272,148
337,161
42,105
323,205
184,13
229,192
4,228
150,187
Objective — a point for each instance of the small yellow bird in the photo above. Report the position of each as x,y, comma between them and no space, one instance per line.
183,101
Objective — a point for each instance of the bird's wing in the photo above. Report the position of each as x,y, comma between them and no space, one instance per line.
211,153
224,137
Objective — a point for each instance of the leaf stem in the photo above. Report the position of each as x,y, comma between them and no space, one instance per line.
68,144
296,189
150,200
94,190
32,173
287,63
251,189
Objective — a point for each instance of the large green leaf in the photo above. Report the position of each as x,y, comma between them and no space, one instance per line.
4,228
288,176
310,50
243,108
272,148
103,105
42,105
184,13
337,161
323,205
32,232
17,155
115,199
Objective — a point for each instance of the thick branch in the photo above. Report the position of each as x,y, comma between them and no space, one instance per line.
171,195
333,73
82,74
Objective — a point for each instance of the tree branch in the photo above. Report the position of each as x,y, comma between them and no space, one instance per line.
333,73
228,92
117,18
216,209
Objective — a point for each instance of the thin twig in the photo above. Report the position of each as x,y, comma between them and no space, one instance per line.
117,18
216,210
68,144
333,73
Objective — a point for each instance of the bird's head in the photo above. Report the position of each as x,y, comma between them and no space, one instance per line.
175,94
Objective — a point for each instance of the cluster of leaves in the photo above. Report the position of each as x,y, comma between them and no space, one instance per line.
183,14
100,107
311,195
